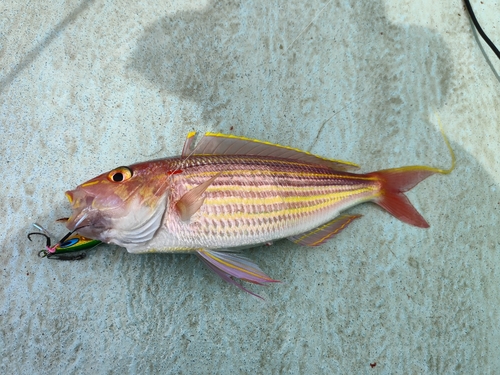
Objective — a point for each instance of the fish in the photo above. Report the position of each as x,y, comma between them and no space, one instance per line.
229,193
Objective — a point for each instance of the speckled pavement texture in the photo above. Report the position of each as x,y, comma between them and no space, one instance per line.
86,86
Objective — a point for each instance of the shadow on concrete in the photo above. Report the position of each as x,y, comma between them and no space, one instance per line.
37,50
257,67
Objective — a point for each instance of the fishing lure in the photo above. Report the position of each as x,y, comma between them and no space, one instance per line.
70,243
229,193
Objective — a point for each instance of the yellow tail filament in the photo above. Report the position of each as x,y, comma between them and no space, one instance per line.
452,154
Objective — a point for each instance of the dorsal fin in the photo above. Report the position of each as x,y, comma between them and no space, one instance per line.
222,144
188,144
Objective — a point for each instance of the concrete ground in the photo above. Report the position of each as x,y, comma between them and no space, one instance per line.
86,86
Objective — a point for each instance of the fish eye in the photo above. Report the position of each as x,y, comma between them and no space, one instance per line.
120,174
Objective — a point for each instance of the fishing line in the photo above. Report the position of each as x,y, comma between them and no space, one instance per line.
309,24
480,30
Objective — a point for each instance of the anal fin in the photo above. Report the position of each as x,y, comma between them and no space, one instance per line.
228,265
320,235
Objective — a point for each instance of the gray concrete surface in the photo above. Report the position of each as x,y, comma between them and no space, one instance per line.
89,85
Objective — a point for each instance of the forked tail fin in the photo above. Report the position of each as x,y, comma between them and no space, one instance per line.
395,182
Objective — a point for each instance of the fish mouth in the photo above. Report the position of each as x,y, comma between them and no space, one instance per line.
76,222
84,218
86,223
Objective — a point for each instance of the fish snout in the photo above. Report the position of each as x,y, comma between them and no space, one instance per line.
79,199
70,196
80,203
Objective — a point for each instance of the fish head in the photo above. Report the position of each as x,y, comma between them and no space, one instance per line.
124,206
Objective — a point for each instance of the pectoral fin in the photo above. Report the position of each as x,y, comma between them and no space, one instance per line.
320,235
229,265
193,199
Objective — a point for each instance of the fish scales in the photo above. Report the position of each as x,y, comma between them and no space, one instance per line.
258,199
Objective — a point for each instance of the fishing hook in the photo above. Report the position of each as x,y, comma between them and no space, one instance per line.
50,252
46,254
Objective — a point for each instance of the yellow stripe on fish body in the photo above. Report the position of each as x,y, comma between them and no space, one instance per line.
305,200
262,221
238,205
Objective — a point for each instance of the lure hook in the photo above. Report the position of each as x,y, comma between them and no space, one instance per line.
65,257
40,234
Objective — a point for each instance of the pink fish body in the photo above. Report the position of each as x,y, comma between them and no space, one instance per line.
229,193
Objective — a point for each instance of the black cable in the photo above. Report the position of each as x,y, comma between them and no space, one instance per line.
480,30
